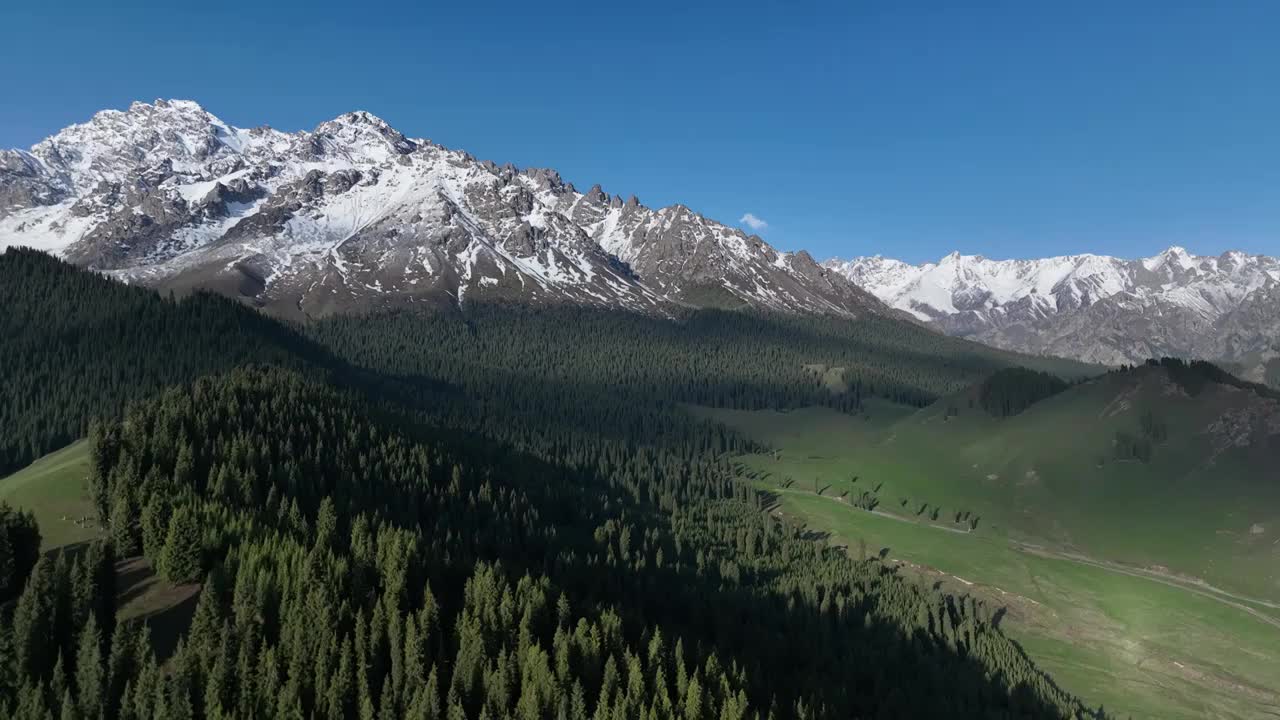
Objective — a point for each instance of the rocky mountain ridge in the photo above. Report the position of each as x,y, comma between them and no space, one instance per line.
354,216
1093,307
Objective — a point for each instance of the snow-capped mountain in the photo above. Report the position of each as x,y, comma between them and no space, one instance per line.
353,215
1092,307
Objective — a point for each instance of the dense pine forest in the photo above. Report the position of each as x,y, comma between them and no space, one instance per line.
78,345
590,373
1010,391
498,514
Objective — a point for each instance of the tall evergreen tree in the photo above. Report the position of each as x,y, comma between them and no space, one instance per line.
183,548
91,676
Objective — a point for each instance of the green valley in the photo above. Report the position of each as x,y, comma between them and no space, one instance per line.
499,513
1153,584
378,416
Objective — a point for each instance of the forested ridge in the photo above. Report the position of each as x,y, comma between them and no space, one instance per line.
77,344
1010,391
586,371
356,571
741,359
502,514
1195,375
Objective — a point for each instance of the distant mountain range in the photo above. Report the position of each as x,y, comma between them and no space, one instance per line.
1093,307
354,216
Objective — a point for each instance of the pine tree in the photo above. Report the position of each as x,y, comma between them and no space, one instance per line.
431,700
93,591
121,667
184,465
35,645
205,630
218,688
9,682
90,674
69,711
8,577
155,525
181,560
124,521
19,550
326,524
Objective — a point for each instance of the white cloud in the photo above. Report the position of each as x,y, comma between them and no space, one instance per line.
753,222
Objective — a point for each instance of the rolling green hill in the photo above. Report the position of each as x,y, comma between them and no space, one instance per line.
1130,467
56,489
1130,525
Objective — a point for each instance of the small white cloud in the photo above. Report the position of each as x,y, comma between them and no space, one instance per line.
753,222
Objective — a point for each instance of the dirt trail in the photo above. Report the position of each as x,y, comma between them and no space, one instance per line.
1223,596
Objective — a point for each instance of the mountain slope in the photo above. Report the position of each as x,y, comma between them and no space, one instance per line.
1169,467
353,215
1096,308
1034,509
367,536
435,578
78,346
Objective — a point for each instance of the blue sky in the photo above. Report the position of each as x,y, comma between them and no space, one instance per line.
1010,129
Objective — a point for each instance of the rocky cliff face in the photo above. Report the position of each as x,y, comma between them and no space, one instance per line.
1091,307
354,215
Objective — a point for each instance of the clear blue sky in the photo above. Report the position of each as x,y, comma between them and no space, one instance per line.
905,128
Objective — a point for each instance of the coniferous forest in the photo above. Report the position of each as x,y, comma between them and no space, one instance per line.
499,513
1010,391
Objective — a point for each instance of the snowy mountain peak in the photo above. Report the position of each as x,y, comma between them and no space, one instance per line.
364,118
190,106
115,145
1175,258
354,215
363,135
1028,304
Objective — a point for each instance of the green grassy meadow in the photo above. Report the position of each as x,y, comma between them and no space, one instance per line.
54,489
1133,632
1136,645
1201,508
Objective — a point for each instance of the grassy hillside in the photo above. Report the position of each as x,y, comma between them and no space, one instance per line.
1202,501
1140,647
1150,585
54,489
